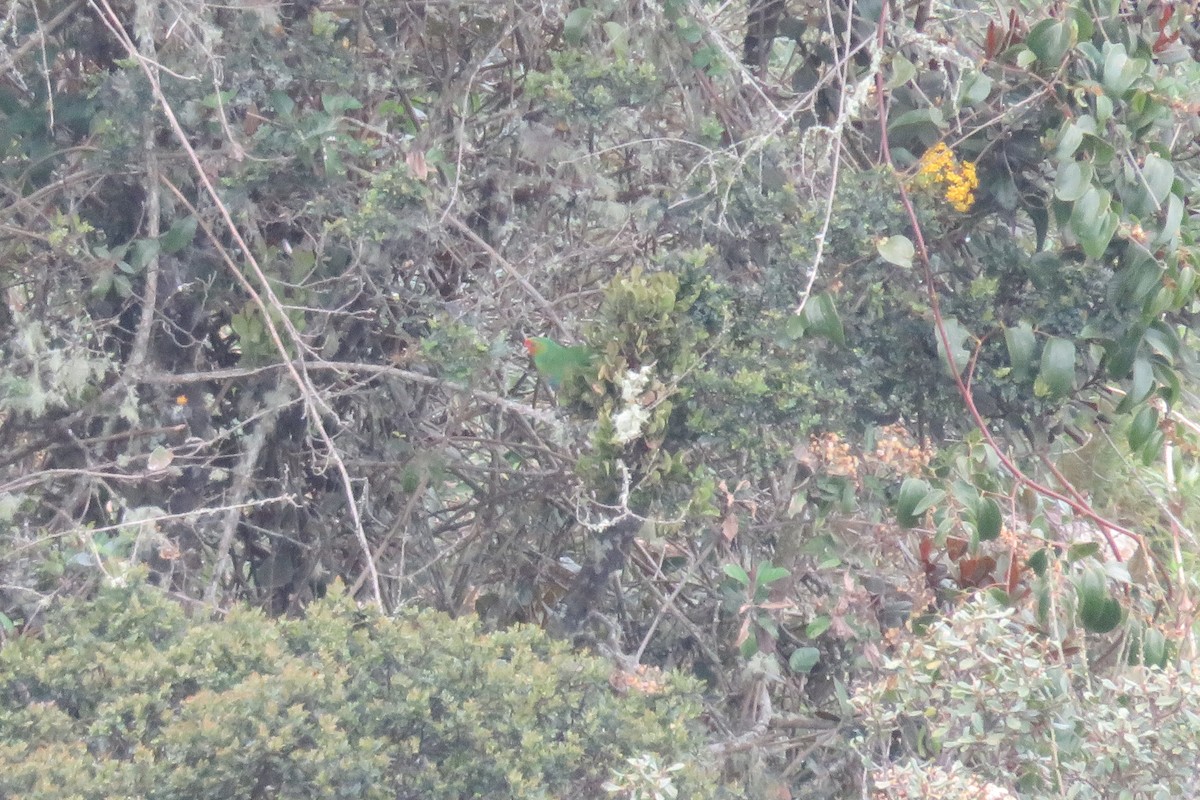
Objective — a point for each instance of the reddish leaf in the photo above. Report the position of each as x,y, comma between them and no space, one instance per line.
992,43
976,572
956,547
1014,575
1163,41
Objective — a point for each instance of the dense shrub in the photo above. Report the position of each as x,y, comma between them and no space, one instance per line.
126,697
984,694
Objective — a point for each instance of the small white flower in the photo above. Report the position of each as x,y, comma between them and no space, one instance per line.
628,423
634,383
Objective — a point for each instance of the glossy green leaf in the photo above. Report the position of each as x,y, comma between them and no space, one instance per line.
141,252
1096,237
821,318
1100,615
912,492
920,120
1050,40
1152,447
1088,208
1174,217
1038,562
1073,180
896,250
1057,372
1142,381
1069,141
1021,344
1120,71
916,498
988,519
1145,422
1159,175
1154,648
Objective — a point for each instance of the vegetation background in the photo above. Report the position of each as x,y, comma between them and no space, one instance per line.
881,480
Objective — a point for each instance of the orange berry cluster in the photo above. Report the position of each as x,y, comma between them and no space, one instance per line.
895,447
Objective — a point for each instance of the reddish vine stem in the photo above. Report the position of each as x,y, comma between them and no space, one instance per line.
1081,507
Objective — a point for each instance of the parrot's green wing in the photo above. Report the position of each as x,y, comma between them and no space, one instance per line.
558,363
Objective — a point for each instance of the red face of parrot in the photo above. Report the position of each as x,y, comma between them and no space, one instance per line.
532,347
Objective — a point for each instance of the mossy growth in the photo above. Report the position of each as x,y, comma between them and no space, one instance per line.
123,696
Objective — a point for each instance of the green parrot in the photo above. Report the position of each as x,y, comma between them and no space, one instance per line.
558,363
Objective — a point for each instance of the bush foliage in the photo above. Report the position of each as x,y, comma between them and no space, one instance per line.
890,306
123,696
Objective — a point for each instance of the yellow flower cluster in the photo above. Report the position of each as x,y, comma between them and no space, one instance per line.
957,180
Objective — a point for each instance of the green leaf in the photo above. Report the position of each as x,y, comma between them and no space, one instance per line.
1057,373
1050,40
1170,228
1142,382
1073,180
1100,615
1088,209
803,659
1154,648
1159,175
338,104
768,574
912,495
1069,141
618,37
1038,562
737,573
957,335
821,317
818,626
897,250
1021,344
1082,550
179,236
576,24
1120,71
988,519
976,88
919,121
141,252
1153,445
160,458
903,71
1145,422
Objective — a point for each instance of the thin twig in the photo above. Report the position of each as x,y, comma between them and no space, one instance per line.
315,406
